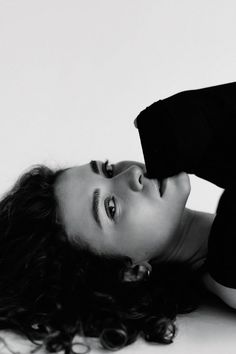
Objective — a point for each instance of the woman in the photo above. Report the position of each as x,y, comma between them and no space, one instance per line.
60,277
100,251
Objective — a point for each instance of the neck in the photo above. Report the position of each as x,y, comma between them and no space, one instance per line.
191,238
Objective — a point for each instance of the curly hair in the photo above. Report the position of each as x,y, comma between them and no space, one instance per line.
51,291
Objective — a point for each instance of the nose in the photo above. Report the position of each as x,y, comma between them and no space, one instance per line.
134,175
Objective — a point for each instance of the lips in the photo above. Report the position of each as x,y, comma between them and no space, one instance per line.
158,185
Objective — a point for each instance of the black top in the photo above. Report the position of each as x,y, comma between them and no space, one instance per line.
194,131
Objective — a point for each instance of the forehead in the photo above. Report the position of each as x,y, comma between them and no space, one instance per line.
71,180
74,193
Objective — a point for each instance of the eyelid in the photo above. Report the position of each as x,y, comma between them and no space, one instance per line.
104,164
117,208
117,212
103,167
106,203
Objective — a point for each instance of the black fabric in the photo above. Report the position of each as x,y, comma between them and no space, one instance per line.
221,258
194,131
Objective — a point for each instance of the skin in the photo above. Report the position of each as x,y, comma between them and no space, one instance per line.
146,224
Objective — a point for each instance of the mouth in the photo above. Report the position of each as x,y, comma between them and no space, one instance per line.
159,186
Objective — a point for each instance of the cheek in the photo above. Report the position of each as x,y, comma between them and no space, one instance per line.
158,219
145,218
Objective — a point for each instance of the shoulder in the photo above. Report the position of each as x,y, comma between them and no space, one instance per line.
226,294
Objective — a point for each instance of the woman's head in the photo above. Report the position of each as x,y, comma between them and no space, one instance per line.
51,286
120,211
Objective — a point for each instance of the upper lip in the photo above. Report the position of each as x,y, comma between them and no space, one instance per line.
157,185
156,182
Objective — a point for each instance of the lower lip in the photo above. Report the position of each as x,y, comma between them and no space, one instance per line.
162,188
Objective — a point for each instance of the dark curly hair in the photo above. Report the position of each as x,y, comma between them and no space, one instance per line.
51,291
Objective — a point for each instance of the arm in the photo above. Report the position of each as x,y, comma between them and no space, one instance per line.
227,295
192,131
221,256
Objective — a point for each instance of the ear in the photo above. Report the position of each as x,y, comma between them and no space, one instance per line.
137,272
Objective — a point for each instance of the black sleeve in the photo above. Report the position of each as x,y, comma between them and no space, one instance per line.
192,131
221,258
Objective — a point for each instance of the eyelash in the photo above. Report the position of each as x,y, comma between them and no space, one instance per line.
111,214
109,173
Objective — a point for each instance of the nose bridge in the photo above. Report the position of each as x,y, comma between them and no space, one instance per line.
132,178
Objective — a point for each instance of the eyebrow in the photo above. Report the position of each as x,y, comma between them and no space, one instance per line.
96,196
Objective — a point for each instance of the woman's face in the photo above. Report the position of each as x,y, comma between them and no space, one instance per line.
120,211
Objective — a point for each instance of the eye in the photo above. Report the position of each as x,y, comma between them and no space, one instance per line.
108,169
110,207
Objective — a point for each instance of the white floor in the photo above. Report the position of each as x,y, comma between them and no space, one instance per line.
210,329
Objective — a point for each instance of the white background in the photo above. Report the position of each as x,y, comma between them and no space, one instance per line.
74,75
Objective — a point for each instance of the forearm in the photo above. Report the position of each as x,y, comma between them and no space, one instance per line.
192,131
